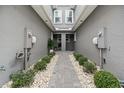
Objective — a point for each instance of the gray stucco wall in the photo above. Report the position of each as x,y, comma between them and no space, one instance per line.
13,20
110,17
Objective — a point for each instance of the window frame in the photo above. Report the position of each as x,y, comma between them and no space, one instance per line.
67,15
54,17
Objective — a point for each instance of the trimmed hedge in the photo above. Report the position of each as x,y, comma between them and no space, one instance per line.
25,78
90,67
47,58
103,79
82,60
21,79
52,54
40,65
77,55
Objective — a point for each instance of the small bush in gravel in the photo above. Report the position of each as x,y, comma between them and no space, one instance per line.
74,54
90,67
40,65
103,79
21,79
51,54
82,60
46,58
77,55
25,78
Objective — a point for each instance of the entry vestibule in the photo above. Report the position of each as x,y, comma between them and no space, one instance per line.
63,41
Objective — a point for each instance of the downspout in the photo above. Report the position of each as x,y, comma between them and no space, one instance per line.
25,48
75,39
101,57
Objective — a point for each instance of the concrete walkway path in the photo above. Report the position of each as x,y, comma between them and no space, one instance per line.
64,75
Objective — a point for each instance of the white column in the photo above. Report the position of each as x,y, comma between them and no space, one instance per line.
75,38
51,34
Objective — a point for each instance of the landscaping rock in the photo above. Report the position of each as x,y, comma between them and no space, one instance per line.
86,79
42,78
7,85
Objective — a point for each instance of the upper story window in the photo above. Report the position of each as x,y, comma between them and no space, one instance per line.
69,16
57,16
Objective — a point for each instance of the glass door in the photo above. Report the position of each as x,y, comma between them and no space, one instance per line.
69,42
57,42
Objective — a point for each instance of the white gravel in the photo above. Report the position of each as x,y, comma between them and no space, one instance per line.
7,85
86,79
41,79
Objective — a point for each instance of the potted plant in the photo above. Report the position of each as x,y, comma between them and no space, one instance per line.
50,45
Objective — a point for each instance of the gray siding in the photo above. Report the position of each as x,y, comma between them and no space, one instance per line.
13,20
111,17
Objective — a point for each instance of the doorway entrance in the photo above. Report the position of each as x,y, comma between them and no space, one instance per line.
57,42
69,42
63,41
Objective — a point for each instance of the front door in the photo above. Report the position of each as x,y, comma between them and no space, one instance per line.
69,42
63,41
57,42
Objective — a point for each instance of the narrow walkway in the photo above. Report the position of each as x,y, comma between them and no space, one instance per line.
64,75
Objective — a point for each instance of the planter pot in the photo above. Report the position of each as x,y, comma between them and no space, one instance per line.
51,50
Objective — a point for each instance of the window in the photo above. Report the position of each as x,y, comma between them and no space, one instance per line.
57,16
69,16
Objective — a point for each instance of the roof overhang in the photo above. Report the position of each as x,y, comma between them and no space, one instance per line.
41,11
86,11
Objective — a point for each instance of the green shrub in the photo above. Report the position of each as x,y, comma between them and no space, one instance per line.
40,65
46,58
103,79
74,54
51,54
90,67
77,55
82,60
21,79
31,73
18,74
